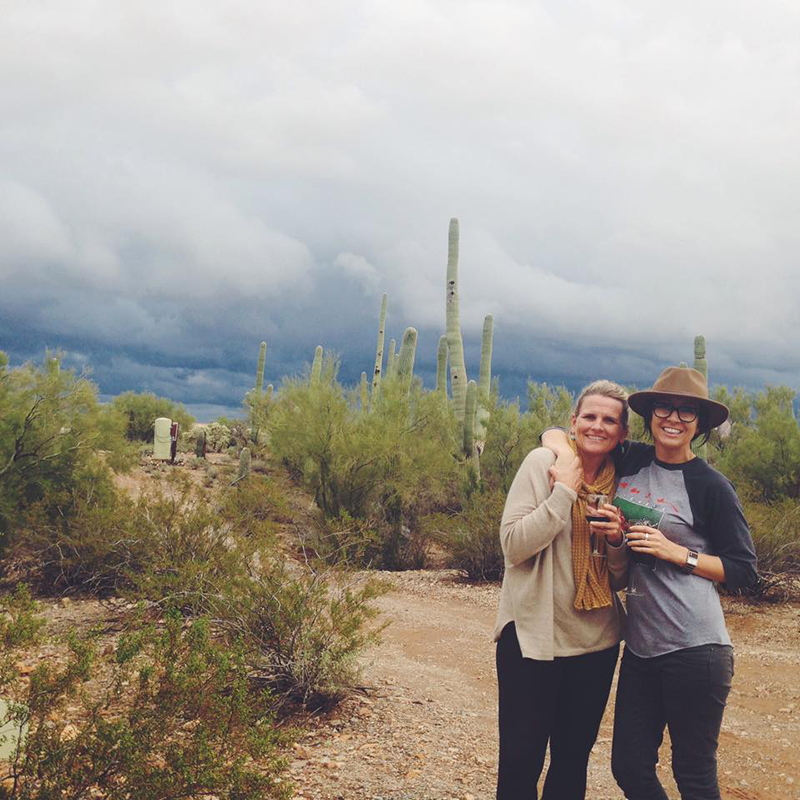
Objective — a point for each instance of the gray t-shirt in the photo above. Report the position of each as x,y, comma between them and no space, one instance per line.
676,609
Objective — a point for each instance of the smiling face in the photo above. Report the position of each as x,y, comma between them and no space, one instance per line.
597,425
672,436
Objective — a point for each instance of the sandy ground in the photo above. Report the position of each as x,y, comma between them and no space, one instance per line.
425,727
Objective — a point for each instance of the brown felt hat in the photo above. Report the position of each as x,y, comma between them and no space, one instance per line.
680,382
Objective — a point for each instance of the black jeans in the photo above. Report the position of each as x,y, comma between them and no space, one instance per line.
560,701
685,690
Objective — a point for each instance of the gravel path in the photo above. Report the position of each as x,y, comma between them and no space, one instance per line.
425,727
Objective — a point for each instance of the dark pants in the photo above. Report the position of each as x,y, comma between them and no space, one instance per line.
560,701
686,691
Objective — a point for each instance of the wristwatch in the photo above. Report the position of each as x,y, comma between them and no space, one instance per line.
691,561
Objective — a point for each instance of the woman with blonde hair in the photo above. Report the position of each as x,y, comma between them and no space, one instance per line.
558,622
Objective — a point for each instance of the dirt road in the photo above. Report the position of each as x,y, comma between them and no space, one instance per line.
426,727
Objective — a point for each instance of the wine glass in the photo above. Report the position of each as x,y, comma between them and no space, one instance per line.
593,502
637,559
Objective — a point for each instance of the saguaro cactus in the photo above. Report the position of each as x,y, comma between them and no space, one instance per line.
316,367
441,366
364,394
455,344
376,375
408,349
701,365
470,443
390,358
244,463
485,385
262,357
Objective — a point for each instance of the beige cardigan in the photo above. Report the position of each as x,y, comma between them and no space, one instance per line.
538,585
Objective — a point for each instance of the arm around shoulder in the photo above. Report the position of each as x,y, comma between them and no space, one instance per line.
534,515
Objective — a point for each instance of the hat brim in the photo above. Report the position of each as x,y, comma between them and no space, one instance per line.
640,403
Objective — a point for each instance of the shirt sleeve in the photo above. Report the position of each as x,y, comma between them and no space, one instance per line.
533,515
730,536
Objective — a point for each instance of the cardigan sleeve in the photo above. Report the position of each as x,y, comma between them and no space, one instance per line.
533,515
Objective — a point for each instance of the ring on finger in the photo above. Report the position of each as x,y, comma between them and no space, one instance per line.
646,536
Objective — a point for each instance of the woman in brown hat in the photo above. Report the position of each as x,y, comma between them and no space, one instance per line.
686,533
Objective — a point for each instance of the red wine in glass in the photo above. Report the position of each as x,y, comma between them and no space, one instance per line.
593,502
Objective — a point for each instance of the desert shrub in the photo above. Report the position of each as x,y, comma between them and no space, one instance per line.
510,436
345,541
54,437
548,405
20,624
776,535
389,466
258,408
170,546
763,457
142,409
471,537
303,632
218,437
171,714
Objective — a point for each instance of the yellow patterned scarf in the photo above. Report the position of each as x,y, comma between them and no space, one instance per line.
592,588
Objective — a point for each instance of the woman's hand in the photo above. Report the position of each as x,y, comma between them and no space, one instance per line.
651,542
567,470
610,530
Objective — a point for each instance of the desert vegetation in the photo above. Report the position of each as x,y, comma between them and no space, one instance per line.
243,578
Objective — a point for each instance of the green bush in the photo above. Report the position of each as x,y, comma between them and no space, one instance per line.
169,713
510,436
388,467
776,535
303,632
218,437
141,410
471,538
345,541
170,546
762,455
54,438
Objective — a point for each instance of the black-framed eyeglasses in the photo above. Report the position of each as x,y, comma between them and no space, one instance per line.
685,413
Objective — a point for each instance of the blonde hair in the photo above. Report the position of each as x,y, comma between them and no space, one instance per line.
604,389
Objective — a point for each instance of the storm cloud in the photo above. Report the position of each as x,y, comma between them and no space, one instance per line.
182,181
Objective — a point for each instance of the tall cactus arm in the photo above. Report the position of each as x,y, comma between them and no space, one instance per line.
485,384
376,374
700,363
469,417
364,393
262,357
408,349
441,366
390,358
455,344
316,367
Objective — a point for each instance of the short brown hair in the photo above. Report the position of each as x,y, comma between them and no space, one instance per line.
604,389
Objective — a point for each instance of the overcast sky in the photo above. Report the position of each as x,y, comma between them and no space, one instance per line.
182,180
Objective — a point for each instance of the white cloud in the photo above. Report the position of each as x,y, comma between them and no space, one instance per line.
625,173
